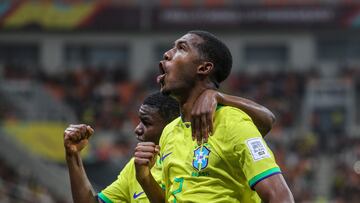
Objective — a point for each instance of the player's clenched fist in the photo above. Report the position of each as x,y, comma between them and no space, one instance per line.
76,137
145,153
145,157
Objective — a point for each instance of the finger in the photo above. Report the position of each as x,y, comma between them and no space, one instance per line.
196,126
67,135
209,122
193,132
144,155
157,149
73,129
67,132
76,130
146,144
76,125
81,127
72,135
198,132
82,130
83,143
89,130
204,128
141,161
145,149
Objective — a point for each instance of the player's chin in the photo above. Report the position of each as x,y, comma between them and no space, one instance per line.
140,139
164,91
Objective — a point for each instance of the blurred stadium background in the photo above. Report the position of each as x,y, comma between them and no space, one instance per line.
84,61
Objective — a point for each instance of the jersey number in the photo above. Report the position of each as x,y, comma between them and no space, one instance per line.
180,181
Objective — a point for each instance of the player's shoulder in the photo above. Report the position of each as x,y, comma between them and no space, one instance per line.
129,167
169,127
233,114
236,124
127,171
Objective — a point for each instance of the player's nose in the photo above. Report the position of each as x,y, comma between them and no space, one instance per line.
167,55
139,130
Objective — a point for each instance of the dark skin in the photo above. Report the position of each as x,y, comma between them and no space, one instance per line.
185,77
76,137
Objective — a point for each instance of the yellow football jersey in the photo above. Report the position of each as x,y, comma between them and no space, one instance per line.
126,188
223,170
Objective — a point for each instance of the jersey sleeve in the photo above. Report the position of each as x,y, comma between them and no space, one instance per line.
118,191
254,157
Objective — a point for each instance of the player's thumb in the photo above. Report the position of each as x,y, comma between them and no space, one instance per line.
82,144
157,149
89,131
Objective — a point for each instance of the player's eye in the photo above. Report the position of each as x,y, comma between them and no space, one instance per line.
181,47
145,122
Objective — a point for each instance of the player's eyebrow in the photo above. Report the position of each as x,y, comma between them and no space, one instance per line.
178,42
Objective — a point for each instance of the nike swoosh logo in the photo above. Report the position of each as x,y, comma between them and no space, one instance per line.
166,155
137,195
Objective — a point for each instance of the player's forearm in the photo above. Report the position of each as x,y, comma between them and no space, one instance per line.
283,197
262,117
152,189
81,188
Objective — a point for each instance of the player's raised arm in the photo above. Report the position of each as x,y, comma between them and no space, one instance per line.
75,139
145,157
205,106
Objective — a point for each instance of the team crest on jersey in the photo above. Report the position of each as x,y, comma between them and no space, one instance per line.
201,158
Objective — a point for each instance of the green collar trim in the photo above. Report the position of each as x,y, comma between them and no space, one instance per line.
219,106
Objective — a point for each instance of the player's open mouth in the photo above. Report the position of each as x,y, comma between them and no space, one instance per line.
161,77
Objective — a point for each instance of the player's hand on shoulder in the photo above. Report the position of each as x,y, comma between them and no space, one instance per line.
76,137
202,115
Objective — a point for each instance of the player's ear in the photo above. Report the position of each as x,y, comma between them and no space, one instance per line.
205,68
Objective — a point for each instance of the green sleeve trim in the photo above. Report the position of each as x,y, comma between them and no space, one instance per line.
263,175
104,198
219,106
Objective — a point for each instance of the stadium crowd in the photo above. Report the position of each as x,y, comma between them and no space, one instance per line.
22,187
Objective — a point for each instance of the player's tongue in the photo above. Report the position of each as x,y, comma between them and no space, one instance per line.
160,78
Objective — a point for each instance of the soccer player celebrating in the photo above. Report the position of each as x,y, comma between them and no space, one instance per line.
155,113
235,165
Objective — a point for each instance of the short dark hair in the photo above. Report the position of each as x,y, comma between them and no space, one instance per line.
217,52
168,107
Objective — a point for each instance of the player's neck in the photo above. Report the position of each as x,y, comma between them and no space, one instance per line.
187,102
